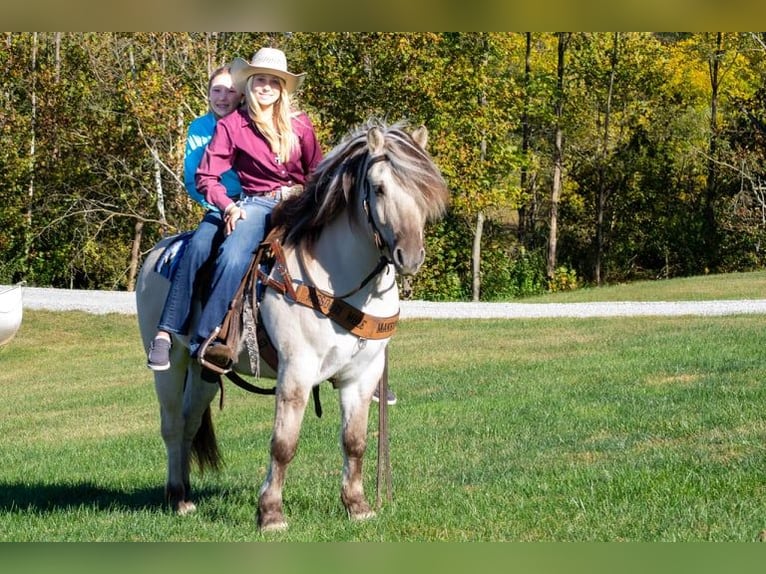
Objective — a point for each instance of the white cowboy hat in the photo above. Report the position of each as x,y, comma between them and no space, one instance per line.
265,61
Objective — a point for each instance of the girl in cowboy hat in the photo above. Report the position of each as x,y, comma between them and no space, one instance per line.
272,148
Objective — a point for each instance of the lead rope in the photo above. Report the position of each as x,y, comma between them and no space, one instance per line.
384,460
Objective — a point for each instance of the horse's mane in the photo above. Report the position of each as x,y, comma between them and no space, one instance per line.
304,216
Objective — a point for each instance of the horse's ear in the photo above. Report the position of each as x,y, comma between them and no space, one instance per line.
375,140
420,136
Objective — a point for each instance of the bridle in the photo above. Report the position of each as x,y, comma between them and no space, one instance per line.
366,203
377,236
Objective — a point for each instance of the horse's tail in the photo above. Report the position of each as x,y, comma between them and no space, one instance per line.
204,450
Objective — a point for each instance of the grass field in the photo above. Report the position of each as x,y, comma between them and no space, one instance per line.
750,285
506,430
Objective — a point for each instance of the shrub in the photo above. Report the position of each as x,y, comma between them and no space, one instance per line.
564,279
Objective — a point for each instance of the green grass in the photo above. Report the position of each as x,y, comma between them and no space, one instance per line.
506,430
750,285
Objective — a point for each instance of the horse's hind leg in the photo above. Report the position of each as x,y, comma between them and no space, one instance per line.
183,404
169,387
195,440
290,406
354,416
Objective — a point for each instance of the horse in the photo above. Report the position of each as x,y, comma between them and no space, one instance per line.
358,223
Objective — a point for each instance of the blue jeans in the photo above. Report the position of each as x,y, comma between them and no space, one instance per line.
206,239
234,257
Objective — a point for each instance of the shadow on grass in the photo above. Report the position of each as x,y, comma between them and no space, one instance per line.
52,497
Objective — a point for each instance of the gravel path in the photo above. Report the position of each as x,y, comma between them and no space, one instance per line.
100,302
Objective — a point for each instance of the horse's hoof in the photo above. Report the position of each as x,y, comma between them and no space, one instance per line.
359,516
271,521
185,508
278,526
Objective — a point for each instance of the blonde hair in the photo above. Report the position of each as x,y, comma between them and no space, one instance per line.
279,131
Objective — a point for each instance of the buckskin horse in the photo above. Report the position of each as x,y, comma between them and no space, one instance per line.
358,222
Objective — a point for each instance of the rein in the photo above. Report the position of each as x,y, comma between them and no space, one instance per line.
235,378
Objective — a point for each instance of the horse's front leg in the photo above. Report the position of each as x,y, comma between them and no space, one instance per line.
291,400
355,408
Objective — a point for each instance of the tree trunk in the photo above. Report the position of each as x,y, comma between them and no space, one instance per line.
710,239
524,212
558,155
476,256
134,255
476,251
158,189
602,191
32,151
57,43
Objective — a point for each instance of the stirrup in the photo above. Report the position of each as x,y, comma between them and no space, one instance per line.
215,357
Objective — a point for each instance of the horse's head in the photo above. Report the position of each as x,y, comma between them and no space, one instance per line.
400,190
383,179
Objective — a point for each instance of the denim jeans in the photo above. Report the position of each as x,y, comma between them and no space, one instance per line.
206,239
233,258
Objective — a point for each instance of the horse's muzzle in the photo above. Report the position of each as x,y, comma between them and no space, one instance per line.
408,262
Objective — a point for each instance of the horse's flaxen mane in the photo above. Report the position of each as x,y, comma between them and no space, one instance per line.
324,198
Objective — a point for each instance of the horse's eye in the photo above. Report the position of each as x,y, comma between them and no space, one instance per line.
378,189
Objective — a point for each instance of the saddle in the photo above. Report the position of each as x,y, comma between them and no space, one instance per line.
220,350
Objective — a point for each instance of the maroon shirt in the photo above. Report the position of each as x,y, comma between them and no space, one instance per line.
238,145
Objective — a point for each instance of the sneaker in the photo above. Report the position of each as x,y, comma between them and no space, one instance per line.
390,396
159,355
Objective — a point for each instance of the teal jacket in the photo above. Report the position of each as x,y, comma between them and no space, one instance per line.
200,132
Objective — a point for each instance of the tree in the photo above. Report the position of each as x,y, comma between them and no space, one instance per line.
558,153
16,128
615,155
728,76
602,186
458,85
